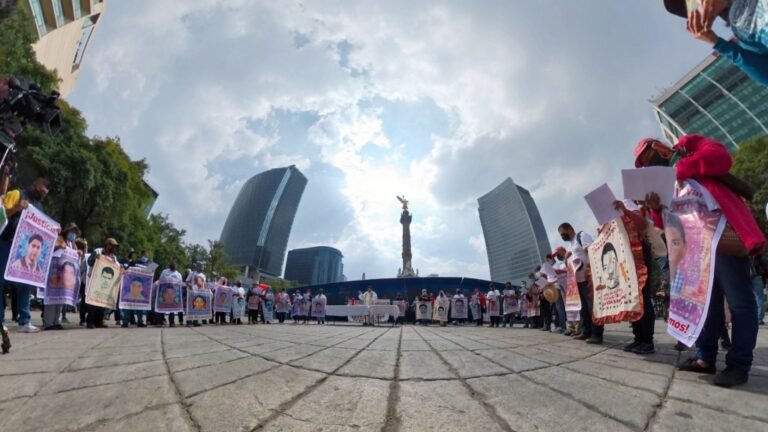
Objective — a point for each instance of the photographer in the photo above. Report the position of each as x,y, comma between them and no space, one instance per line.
15,202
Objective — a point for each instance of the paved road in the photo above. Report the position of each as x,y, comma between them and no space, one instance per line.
350,378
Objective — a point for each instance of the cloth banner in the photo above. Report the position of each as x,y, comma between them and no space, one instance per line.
318,307
136,292
401,306
238,307
222,299
614,276
459,308
474,307
169,296
29,261
441,309
104,284
282,303
64,278
572,297
692,229
268,307
423,310
199,304
493,306
254,301
534,307
511,304
384,317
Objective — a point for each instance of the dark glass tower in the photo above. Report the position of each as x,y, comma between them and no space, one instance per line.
314,265
256,232
515,238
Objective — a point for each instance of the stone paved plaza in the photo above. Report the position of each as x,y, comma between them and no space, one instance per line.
351,378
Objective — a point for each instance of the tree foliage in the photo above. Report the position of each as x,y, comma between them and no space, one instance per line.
17,34
750,162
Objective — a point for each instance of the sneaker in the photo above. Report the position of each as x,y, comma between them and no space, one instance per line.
630,347
568,333
196,324
65,321
644,348
731,376
595,340
28,328
581,337
141,324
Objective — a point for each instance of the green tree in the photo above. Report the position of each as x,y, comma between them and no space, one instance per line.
750,162
167,243
219,261
17,34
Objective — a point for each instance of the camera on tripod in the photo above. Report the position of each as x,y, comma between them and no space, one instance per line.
23,103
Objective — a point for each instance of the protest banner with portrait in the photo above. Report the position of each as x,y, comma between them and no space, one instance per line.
136,292
511,305
198,304
459,308
238,307
692,227
494,306
104,284
64,278
475,307
169,296
402,305
618,274
222,299
31,252
268,307
423,310
254,301
318,307
442,304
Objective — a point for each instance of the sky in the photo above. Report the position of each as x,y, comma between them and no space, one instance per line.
439,101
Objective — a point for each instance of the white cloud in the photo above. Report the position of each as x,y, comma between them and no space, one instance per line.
538,92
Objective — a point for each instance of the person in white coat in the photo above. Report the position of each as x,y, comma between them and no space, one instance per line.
368,298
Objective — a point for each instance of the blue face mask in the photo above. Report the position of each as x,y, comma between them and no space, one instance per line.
71,236
144,259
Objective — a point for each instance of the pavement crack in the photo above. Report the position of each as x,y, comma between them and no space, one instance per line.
393,418
664,398
190,420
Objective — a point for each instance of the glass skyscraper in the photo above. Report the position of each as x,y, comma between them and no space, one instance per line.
515,238
314,265
256,232
715,99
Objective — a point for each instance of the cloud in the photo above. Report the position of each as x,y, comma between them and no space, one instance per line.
437,101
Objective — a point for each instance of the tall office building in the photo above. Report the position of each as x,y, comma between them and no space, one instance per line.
314,265
715,99
515,238
256,232
64,28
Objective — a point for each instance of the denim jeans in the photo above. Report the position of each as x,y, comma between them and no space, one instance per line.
560,305
587,327
759,288
732,282
129,314
52,315
21,293
509,319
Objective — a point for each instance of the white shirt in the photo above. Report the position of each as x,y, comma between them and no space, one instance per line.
562,275
493,293
170,274
192,275
579,252
368,298
549,272
458,296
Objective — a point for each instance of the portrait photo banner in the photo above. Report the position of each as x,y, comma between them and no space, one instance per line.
31,252
104,284
136,292
459,308
199,304
222,299
169,297
64,278
692,230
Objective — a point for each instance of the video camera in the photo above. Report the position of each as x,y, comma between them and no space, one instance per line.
22,103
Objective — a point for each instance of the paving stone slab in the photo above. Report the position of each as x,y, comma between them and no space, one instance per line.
16,386
469,364
327,360
441,406
681,416
11,366
91,377
749,400
169,418
374,364
423,365
338,404
245,403
511,360
526,406
637,379
83,407
267,347
184,363
205,378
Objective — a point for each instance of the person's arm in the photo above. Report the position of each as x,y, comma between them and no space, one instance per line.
635,216
753,64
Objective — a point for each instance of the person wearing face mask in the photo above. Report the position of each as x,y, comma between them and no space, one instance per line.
576,256
51,313
548,270
702,173
15,201
572,318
